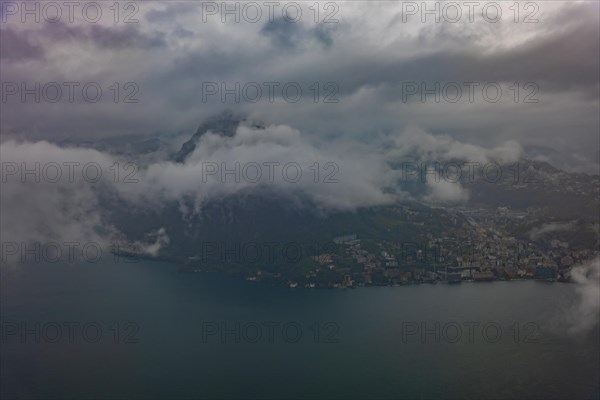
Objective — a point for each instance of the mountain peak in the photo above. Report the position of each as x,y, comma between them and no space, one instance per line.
224,123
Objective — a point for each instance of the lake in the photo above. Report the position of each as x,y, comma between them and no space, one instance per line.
143,330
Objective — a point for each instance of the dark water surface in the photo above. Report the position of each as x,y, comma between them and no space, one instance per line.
171,335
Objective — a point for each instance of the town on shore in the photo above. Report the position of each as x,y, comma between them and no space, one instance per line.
470,245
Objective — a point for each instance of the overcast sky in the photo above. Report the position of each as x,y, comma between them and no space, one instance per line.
372,57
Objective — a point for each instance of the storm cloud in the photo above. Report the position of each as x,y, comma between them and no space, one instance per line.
369,52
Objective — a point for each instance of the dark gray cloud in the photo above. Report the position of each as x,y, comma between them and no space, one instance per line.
129,37
558,61
291,36
20,44
369,55
18,47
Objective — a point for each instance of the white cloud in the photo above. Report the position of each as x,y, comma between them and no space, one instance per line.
444,191
585,314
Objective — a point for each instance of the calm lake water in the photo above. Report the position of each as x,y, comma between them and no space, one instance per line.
171,335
